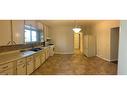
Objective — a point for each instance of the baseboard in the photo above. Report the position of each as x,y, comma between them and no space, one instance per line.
103,58
107,59
64,52
114,60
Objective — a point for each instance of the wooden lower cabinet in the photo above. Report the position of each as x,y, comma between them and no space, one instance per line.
37,58
30,64
24,66
21,70
43,57
8,72
21,67
47,53
51,50
7,68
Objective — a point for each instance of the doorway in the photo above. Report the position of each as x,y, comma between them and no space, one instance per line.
78,43
114,44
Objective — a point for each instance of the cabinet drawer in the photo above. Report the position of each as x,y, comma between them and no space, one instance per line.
30,58
6,66
21,61
7,72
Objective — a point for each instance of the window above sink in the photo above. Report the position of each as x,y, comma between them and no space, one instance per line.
32,34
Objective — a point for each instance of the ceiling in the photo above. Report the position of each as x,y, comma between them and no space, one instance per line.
68,23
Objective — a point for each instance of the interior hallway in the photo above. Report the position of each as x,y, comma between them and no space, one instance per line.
76,64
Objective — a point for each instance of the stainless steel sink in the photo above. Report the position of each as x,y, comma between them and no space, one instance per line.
35,49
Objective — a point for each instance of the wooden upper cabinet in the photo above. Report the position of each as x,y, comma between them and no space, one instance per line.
18,31
46,34
39,25
31,22
5,32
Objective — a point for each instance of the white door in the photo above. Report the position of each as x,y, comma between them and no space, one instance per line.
76,41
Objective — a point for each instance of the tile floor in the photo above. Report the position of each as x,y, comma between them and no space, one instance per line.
76,64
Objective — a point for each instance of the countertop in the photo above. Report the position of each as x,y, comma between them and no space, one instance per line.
5,58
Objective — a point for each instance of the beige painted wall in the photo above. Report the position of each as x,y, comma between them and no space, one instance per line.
89,41
102,30
81,42
63,38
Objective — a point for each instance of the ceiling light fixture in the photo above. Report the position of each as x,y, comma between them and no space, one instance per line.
76,29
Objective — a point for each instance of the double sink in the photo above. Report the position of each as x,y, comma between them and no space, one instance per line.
35,49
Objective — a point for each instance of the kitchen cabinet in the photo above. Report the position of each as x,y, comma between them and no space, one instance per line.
45,33
51,50
21,67
18,31
7,68
37,58
43,57
31,22
5,32
30,65
47,53
39,25
26,64
7,72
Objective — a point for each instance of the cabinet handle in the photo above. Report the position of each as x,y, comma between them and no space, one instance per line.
24,66
5,67
28,63
21,61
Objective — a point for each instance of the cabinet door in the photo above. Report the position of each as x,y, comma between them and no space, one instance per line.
18,31
21,67
51,51
47,53
37,61
30,65
39,25
5,32
7,72
31,22
45,33
43,57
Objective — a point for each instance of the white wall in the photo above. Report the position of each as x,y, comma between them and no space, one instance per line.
122,62
102,30
63,38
